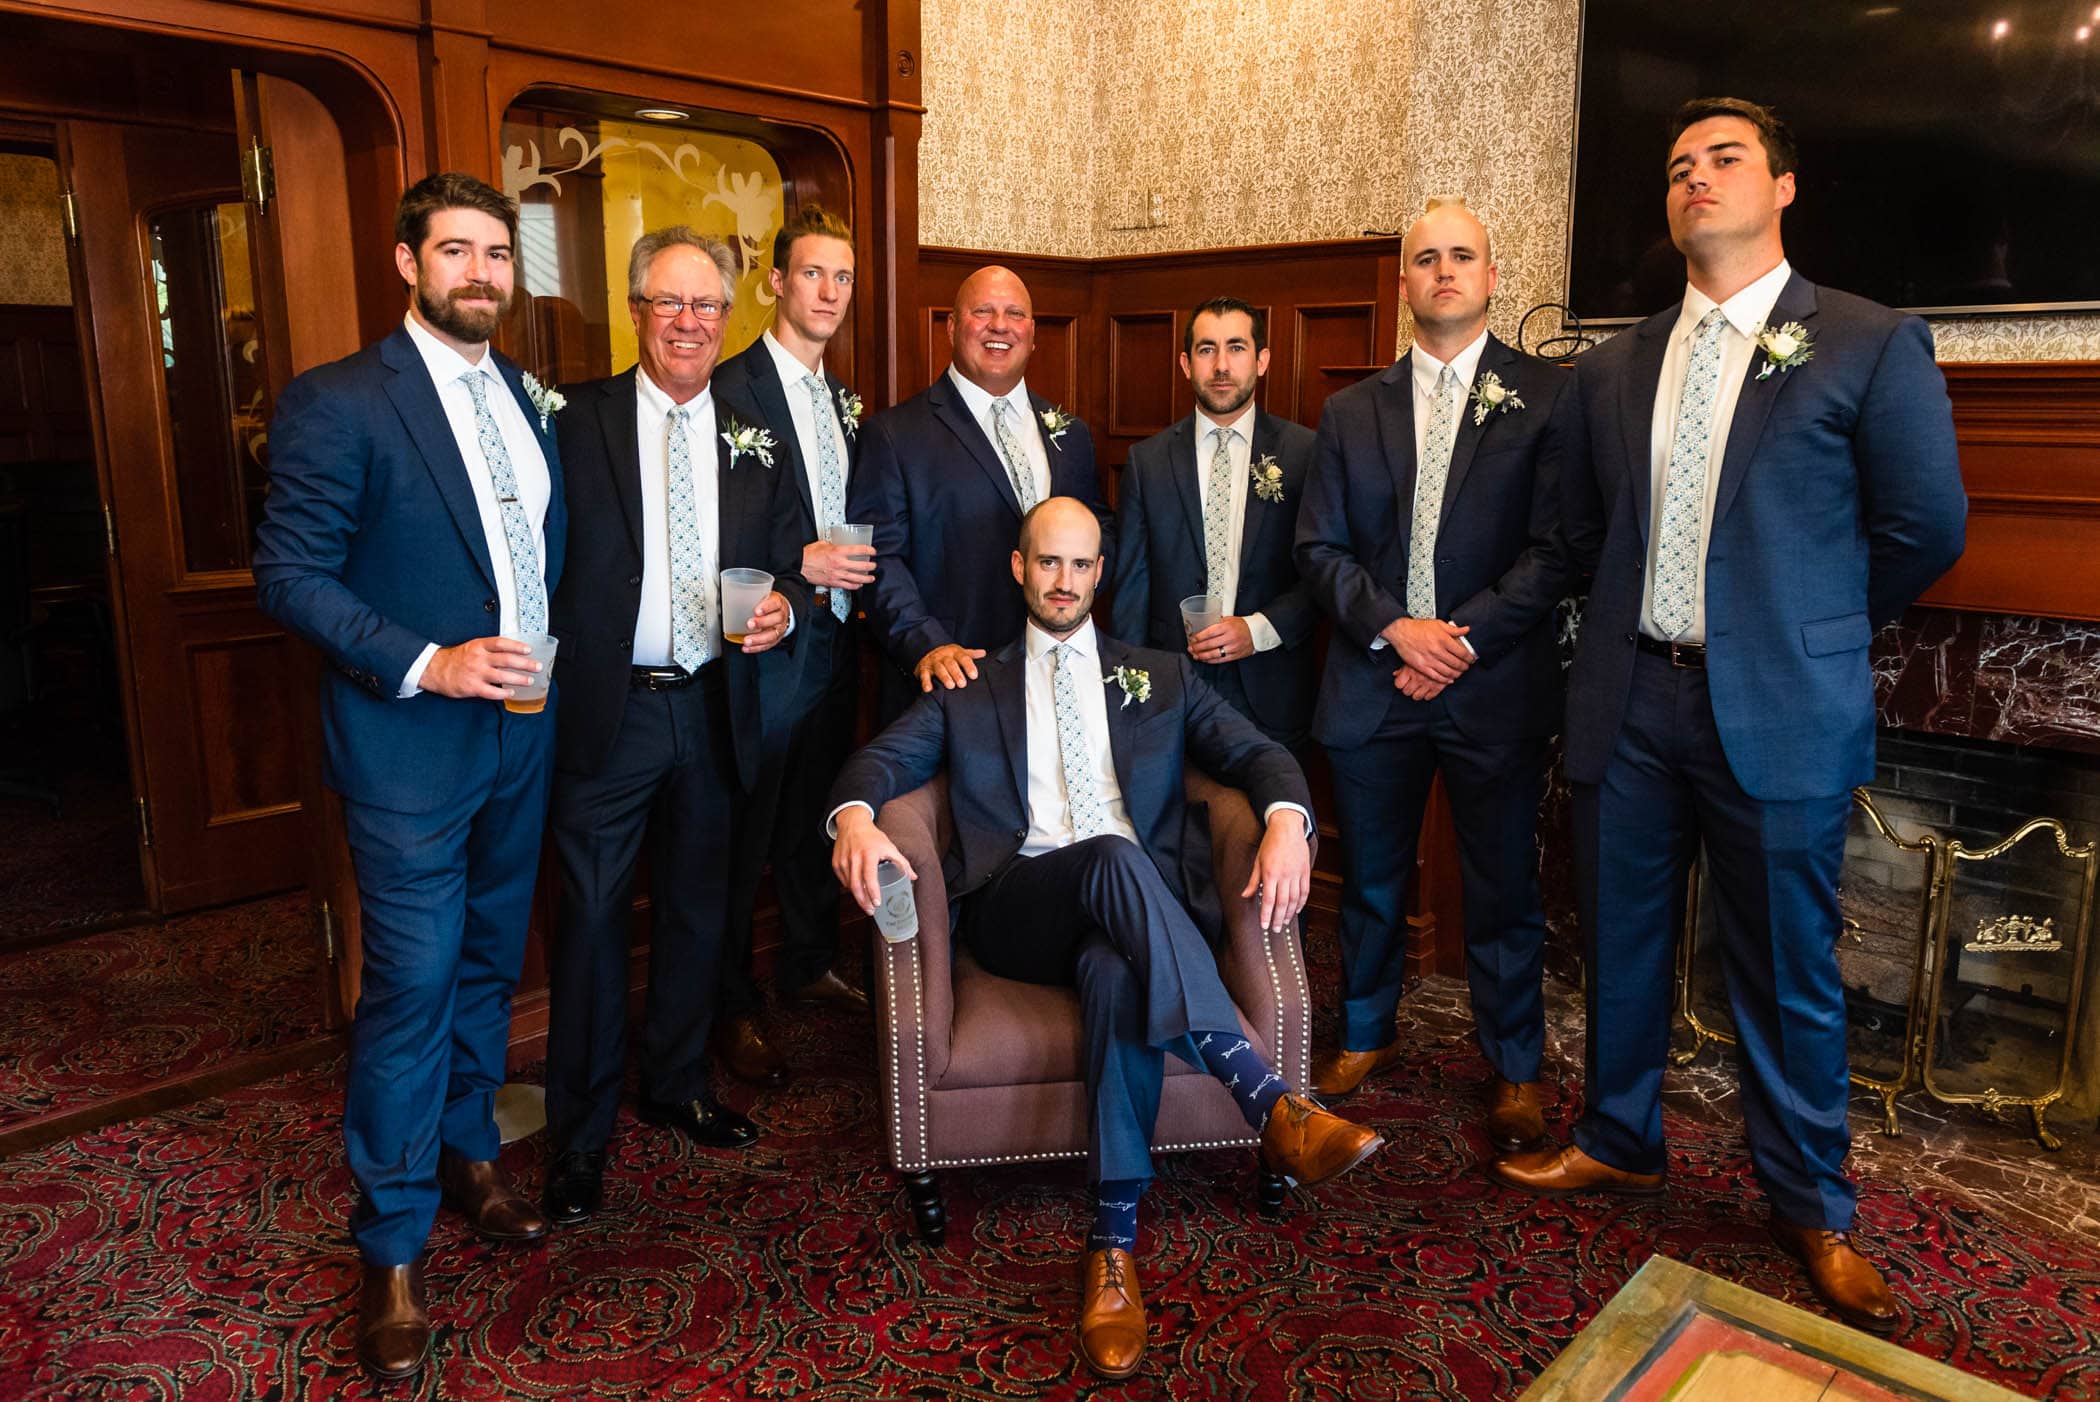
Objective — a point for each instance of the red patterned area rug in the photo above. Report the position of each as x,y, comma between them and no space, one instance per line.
201,1255
106,1013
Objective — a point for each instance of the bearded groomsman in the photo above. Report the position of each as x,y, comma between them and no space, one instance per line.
1428,534
670,722
414,527
945,478
1757,478
780,382
1210,506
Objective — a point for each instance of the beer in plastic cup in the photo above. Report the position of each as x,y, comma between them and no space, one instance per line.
531,698
742,592
1199,611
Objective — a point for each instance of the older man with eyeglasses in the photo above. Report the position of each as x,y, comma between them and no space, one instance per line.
666,723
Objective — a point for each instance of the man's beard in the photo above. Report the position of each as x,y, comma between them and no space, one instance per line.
1039,610
462,323
1223,411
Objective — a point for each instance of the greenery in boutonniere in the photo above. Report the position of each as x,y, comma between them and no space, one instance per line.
1491,396
749,439
849,411
1268,478
1135,681
1784,347
1056,423
548,402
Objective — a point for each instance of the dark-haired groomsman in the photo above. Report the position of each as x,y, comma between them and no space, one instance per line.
414,528
780,381
1210,506
1428,533
1757,478
945,478
676,705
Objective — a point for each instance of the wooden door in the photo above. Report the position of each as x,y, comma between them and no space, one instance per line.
220,703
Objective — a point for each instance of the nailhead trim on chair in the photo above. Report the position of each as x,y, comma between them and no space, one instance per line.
1247,1143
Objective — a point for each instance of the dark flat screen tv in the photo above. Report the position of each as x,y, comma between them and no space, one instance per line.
1950,152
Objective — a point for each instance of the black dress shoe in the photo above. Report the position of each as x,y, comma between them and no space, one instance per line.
575,1187
741,1045
704,1121
830,990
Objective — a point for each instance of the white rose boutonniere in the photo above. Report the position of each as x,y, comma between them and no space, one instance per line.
548,402
1784,347
1056,423
1135,681
849,411
1491,396
1268,478
749,439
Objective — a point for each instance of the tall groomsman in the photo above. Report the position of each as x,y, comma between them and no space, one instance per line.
1210,506
780,382
1758,478
1428,532
668,723
945,478
414,527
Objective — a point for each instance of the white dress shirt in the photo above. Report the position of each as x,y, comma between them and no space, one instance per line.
652,412
448,371
1423,372
1022,422
1745,313
1240,448
810,427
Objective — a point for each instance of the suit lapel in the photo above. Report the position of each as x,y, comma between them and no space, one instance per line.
1120,719
623,450
1396,429
949,409
1257,511
1010,704
763,375
1181,467
1494,358
1637,408
415,398
1753,407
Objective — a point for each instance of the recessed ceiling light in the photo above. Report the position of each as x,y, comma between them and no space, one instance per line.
2002,28
662,114
2085,32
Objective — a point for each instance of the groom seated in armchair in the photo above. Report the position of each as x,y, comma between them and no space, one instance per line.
1064,760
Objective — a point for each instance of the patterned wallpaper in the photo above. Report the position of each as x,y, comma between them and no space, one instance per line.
32,243
1318,109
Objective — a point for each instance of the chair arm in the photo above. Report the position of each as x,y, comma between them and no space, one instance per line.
914,989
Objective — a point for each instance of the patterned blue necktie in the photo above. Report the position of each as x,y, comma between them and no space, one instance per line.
1073,752
1017,468
831,480
692,611
527,583
1217,515
1676,586
1429,495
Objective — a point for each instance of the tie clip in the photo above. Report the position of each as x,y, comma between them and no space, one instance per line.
507,501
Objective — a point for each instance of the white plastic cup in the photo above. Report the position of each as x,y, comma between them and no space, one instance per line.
1199,611
742,592
531,698
851,533
896,912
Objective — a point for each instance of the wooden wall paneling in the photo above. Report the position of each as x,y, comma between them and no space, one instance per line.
1143,372
1333,345
43,394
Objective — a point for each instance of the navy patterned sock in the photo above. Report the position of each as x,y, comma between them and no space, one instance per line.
1115,1214
1233,1060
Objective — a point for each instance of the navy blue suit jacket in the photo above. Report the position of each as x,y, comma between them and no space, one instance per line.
946,521
1839,502
594,612
1500,570
1161,560
749,383
370,548
979,734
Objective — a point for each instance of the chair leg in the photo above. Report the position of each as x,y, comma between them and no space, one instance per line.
1268,1192
924,1190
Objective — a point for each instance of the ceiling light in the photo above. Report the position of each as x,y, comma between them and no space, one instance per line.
2085,32
662,114
2002,28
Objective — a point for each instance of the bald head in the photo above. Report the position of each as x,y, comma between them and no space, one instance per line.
1447,274
1058,564
992,332
1066,518
1445,221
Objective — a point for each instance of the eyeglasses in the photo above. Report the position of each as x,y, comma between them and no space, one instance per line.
706,308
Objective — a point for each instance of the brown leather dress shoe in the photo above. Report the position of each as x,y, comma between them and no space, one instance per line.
831,991
1339,1073
393,1325
1516,1117
741,1045
1846,1280
482,1193
1551,1172
1111,1314
1308,1145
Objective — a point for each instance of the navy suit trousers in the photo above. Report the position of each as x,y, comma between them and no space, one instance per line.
1667,790
1098,916
1380,790
446,898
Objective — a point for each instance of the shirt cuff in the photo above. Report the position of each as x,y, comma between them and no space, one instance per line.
413,682
1263,632
831,819
1297,808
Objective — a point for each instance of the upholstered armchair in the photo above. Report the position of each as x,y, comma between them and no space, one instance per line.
978,1069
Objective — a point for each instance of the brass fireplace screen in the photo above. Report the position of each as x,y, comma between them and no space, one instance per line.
1964,968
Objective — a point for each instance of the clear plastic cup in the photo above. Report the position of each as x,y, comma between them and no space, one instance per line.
896,913
531,698
1199,611
742,592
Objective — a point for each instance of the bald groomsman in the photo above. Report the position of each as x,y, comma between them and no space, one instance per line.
1428,534
945,478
